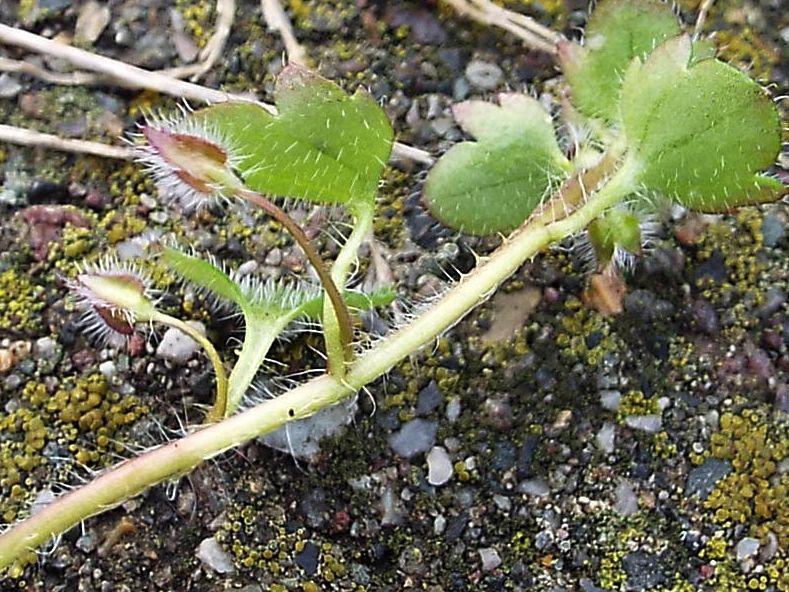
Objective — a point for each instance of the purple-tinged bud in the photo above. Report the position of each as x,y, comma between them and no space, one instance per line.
114,298
187,161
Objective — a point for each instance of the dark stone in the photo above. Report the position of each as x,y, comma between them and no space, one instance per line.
504,456
640,304
307,559
705,317
456,527
314,508
773,230
773,301
201,385
714,268
452,58
657,345
594,339
781,402
644,571
429,399
68,333
526,456
46,192
702,479
424,27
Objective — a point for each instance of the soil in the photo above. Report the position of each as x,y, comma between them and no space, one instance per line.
643,451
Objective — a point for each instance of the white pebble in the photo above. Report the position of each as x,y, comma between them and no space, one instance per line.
177,347
212,555
605,438
645,423
490,559
439,466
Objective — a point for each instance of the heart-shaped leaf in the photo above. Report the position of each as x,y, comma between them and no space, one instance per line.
617,32
700,131
493,184
323,146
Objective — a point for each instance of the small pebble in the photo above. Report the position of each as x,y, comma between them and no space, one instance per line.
9,86
489,558
705,317
483,75
773,230
702,479
502,502
610,399
7,360
92,19
535,487
747,548
46,348
429,399
439,466
107,369
212,555
605,438
86,543
626,501
645,423
439,524
415,437
453,410
176,347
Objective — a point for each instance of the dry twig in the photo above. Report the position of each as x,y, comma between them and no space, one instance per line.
129,76
120,73
26,137
210,54
704,10
70,79
533,34
278,21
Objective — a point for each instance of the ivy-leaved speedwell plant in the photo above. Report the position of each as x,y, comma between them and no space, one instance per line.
655,118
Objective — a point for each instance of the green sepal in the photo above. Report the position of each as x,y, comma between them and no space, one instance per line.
615,228
205,275
493,184
355,300
700,131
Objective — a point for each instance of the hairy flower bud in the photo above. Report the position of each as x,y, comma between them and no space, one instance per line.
114,298
188,161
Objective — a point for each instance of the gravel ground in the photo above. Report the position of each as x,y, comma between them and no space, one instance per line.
538,446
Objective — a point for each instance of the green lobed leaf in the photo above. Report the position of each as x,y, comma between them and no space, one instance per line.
205,275
700,130
324,145
617,32
493,184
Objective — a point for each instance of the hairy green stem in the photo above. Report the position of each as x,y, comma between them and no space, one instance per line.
176,458
362,223
339,343
259,335
217,411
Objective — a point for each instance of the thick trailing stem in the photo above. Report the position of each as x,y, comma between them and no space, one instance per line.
362,223
336,345
217,411
174,459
